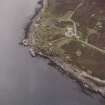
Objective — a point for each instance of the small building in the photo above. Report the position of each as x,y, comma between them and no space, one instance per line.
69,32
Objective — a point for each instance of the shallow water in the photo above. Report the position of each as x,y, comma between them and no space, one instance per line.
30,81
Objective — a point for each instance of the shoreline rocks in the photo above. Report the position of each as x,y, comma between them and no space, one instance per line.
32,52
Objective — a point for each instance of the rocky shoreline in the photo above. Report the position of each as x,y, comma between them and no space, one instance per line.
89,82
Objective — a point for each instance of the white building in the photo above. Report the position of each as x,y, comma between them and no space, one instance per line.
69,32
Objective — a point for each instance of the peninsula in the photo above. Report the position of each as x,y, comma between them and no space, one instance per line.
71,34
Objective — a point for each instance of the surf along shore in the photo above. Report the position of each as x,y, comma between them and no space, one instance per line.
54,36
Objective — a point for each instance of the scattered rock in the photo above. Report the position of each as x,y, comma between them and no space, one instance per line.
50,44
78,53
85,85
25,42
68,58
32,52
102,92
93,15
36,25
99,24
40,53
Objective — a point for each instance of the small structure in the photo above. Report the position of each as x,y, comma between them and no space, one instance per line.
99,24
69,32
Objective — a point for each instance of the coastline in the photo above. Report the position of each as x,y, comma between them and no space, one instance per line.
89,82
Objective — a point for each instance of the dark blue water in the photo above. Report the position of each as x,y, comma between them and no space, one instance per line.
30,81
